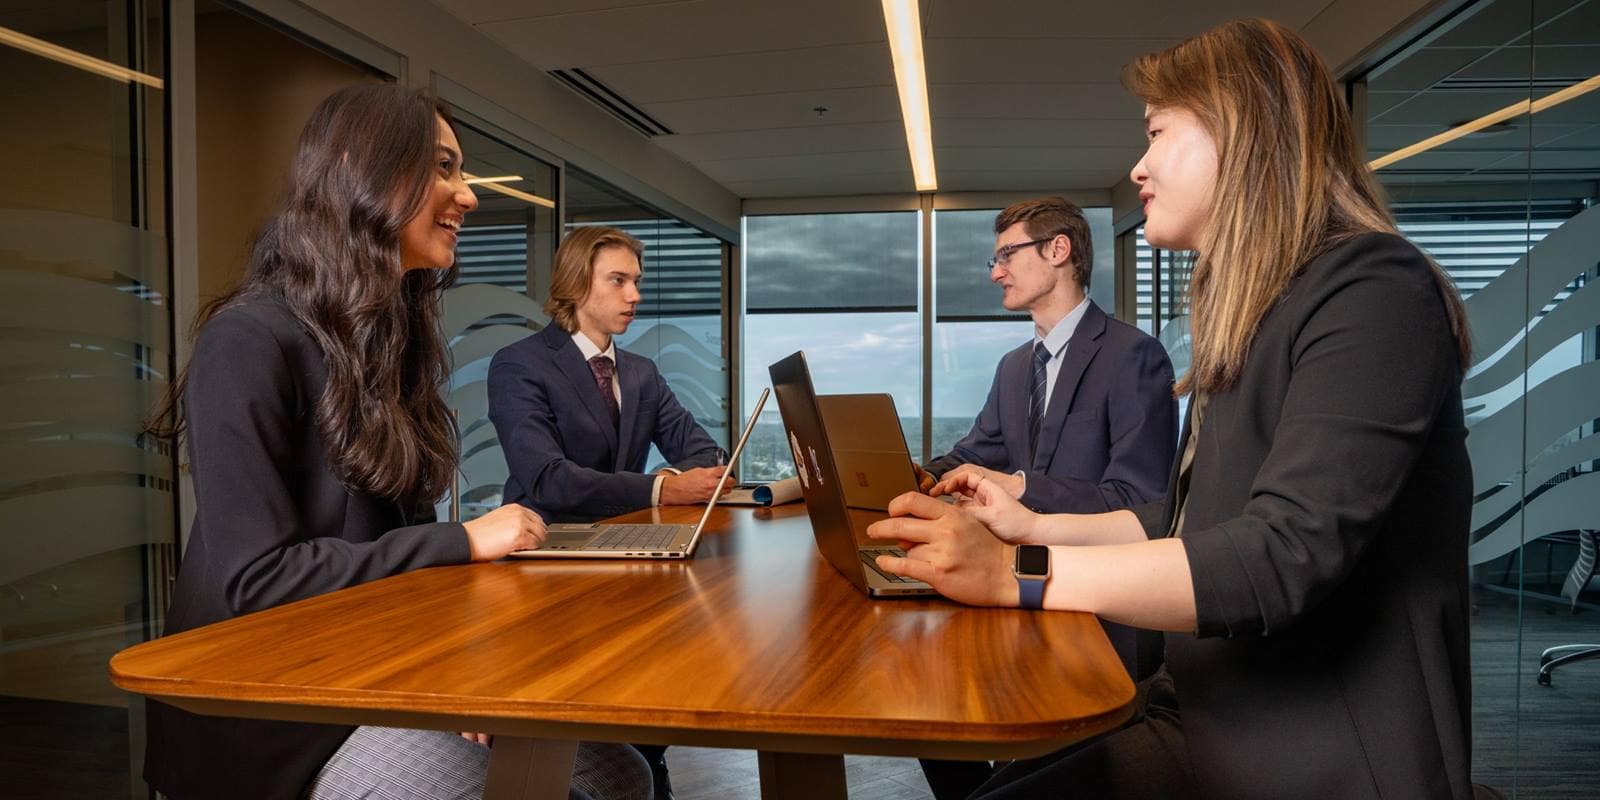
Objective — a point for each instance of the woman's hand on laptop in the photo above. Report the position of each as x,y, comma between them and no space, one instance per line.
693,486
925,482
1002,514
948,549
509,527
959,481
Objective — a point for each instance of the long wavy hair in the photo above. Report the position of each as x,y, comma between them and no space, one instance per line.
1291,181
362,169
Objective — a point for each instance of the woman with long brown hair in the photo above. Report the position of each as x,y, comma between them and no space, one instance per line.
318,441
1308,564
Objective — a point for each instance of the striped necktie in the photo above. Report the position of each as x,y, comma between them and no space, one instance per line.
1036,395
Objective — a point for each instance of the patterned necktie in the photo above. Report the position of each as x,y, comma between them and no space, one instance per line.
603,371
1041,356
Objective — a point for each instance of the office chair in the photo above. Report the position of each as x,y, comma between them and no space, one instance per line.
1577,580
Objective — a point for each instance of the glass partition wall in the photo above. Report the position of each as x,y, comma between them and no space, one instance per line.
680,323
86,503
1505,202
506,252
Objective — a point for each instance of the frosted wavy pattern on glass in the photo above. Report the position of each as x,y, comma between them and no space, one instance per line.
474,340
691,368
1534,395
83,351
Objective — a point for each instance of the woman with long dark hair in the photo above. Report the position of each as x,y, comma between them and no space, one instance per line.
318,441
1308,564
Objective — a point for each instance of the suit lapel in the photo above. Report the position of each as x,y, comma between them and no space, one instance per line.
572,365
1015,378
1081,349
628,376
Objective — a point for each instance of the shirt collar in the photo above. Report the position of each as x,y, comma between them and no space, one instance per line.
590,350
1062,332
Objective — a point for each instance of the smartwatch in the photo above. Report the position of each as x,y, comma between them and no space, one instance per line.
1032,568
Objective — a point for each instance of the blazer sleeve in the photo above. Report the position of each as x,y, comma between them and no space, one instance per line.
1142,421
1150,516
983,445
1370,367
242,421
531,437
681,439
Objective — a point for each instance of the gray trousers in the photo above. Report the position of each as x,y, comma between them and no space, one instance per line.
402,764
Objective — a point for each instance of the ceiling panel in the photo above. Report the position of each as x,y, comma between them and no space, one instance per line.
1028,180
661,32
1060,159
816,138
478,11
805,69
1052,60
1102,101
1024,95
779,110
758,169
1029,132
1086,19
816,185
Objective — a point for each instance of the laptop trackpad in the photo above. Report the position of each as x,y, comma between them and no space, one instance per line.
566,540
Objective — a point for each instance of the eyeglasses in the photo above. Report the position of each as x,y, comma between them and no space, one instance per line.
1003,255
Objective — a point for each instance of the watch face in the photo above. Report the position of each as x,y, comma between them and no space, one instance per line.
1033,559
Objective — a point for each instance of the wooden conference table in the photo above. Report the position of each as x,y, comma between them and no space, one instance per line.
755,643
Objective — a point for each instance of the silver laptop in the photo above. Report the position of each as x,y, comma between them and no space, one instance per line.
862,432
636,540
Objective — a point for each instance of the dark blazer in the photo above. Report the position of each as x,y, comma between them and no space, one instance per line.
1327,525
1106,441
1108,436
567,461
273,525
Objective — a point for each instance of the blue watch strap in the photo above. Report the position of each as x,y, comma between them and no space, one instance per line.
1030,593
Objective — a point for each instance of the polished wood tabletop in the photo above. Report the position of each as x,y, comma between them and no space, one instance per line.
753,643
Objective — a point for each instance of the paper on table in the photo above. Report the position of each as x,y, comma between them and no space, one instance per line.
769,494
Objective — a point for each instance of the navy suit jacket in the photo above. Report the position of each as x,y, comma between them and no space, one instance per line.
1108,435
567,461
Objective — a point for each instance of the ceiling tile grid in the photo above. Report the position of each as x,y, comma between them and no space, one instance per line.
785,99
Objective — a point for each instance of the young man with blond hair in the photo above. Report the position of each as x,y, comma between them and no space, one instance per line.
576,415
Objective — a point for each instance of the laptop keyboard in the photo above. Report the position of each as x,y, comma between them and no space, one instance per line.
634,537
869,556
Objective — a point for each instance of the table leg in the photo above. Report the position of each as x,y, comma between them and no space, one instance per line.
529,769
801,776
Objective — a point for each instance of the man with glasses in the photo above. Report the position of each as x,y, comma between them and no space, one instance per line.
1081,419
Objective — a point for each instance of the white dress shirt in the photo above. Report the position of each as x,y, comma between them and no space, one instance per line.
1056,342
589,349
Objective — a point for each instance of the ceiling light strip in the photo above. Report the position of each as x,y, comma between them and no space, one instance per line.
508,191
73,58
1512,111
496,179
904,24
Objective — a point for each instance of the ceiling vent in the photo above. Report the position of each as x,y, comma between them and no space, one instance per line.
602,95
1540,85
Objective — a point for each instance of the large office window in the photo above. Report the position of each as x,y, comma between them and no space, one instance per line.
844,288
971,329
